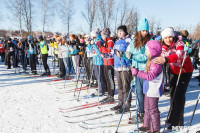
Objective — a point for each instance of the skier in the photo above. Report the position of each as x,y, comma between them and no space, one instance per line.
61,46
152,87
44,51
32,52
74,42
98,61
122,69
175,55
139,60
108,64
2,52
10,48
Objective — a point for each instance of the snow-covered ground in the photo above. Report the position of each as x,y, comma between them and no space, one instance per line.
35,105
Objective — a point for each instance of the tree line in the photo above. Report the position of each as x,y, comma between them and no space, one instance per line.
97,13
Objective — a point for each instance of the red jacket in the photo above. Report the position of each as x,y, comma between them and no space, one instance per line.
1,48
108,57
175,55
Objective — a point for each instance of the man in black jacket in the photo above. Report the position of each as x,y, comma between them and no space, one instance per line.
10,48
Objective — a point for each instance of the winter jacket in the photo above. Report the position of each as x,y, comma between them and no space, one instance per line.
2,48
121,63
64,51
10,47
96,54
152,85
32,48
74,48
55,46
97,59
139,57
174,55
43,47
89,53
105,50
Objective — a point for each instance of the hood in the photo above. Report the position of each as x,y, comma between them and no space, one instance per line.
155,48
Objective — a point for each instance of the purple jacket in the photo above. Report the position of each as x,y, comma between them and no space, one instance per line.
152,85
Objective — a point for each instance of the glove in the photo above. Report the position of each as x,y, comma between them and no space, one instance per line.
99,43
135,71
92,42
186,47
119,53
128,55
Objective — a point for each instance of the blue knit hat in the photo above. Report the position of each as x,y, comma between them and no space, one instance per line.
143,25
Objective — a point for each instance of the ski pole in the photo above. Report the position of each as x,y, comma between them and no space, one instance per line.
137,100
193,112
123,110
99,81
77,74
83,75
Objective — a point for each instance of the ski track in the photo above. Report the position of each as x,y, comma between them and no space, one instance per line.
32,105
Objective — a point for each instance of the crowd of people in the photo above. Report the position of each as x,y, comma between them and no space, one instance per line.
152,63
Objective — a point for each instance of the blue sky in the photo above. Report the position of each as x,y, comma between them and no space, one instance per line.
169,12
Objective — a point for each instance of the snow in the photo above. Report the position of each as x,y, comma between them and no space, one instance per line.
33,105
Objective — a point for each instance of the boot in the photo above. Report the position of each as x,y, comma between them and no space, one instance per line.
109,100
144,129
103,100
120,111
117,107
48,73
140,119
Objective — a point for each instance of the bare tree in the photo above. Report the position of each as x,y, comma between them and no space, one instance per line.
123,12
16,12
132,21
126,16
106,11
152,24
91,9
179,27
67,12
158,27
46,12
196,34
27,14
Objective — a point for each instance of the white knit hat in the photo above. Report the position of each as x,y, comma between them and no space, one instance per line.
95,32
167,32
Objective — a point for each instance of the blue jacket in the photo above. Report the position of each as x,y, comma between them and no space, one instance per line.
32,48
96,54
139,58
121,45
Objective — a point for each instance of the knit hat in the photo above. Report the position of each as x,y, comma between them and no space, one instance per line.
167,32
143,25
30,37
9,39
155,48
82,40
40,37
184,33
87,35
123,27
95,32
105,32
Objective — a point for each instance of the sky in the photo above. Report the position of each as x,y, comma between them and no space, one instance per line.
170,13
